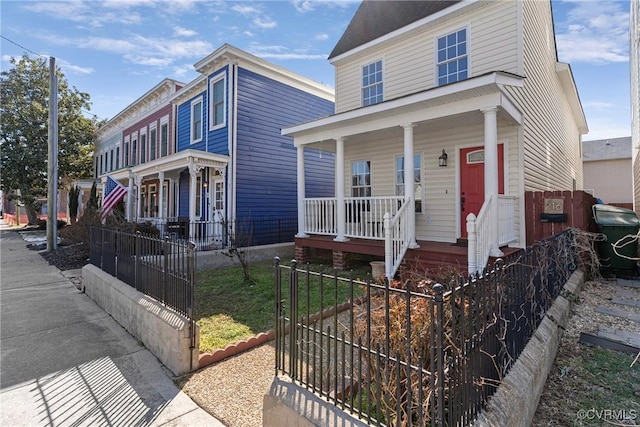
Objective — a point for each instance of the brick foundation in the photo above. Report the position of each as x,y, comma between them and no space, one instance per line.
341,260
302,254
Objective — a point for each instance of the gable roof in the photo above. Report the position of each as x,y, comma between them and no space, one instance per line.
375,18
607,149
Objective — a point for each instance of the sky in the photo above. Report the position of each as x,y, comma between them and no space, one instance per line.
116,50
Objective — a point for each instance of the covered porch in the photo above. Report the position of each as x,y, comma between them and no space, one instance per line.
421,200
183,195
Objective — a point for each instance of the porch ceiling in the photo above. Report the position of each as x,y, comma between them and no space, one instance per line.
445,107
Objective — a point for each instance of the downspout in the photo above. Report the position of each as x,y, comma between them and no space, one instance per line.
233,140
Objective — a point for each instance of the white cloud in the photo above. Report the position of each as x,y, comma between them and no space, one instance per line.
321,37
69,68
93,14
265,23
598,105
247,11
183,32
594,32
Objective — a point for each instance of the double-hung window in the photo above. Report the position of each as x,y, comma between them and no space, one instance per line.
417,179
164,138
453,61
218,104
361,178
372,87
196,120
143,148
152,142
134,152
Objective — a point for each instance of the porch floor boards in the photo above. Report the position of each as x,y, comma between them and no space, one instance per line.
428,255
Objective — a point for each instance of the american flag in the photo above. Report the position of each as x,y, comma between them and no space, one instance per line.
114,192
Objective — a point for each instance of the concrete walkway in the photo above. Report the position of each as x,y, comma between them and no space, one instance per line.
65,362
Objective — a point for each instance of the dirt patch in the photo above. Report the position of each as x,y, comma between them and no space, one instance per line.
66,257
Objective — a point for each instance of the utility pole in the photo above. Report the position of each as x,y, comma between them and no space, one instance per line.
52,159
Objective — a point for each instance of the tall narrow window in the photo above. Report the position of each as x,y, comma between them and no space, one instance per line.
372,92
198,197
117,158
126,154
196,121
164,139
361,179
152,143
417,179
134,152
101,163
453,64
217,103
143,148
111,161
153,201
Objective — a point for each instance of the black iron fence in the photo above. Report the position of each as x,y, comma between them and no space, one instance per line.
417,353
218,234
160,268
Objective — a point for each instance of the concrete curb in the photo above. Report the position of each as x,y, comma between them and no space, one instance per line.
516,400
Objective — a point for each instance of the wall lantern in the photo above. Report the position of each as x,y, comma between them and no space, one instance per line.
442,160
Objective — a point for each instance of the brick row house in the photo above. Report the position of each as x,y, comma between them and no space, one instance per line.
199,156
446,113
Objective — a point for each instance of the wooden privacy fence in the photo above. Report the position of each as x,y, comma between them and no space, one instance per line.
543,220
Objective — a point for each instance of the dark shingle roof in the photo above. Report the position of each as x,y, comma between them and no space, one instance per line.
375,18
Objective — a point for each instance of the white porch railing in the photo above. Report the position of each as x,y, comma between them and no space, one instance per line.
478,228
364,215
506,220
396,241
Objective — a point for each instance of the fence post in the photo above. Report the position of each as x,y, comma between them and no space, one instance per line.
293,319
388,246
191,272
472,240
278,326
136,252
438,290
165,266
101,246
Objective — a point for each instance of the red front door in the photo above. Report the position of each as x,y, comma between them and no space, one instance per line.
472,181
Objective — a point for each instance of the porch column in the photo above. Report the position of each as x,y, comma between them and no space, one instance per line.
161,195
491,174
193,173
341,212
138,180
409,182
301,191
130,198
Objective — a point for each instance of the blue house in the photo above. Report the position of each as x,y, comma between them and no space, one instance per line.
230,169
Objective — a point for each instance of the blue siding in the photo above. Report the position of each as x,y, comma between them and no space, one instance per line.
183,191
184,124
266,161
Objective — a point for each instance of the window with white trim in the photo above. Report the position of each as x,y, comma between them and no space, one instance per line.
218,103
196,120
143,147
153,141
117,157
361,178
417,179
164,138
134,152
372,87
125,162
452,54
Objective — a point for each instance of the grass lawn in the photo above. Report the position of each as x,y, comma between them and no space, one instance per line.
228,309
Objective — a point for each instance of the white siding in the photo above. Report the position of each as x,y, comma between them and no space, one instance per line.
409,61
552,149
440,217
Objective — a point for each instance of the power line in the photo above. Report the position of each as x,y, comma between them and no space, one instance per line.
22,47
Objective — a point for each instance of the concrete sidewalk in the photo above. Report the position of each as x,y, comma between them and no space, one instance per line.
64,361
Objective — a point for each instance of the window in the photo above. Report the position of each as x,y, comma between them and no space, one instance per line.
417,179
153,201
152,143
198,197
452,57
143,148
164,139
95,168
361,179
101,163
372,84
134,152
117,157
196,121
111,161
126,153
217,104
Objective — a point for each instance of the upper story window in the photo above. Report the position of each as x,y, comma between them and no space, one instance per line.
153,140
196,120
417,179
164,139
117,157
218,107
453,62
125,151
361,178
372,88
143,148
134,152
